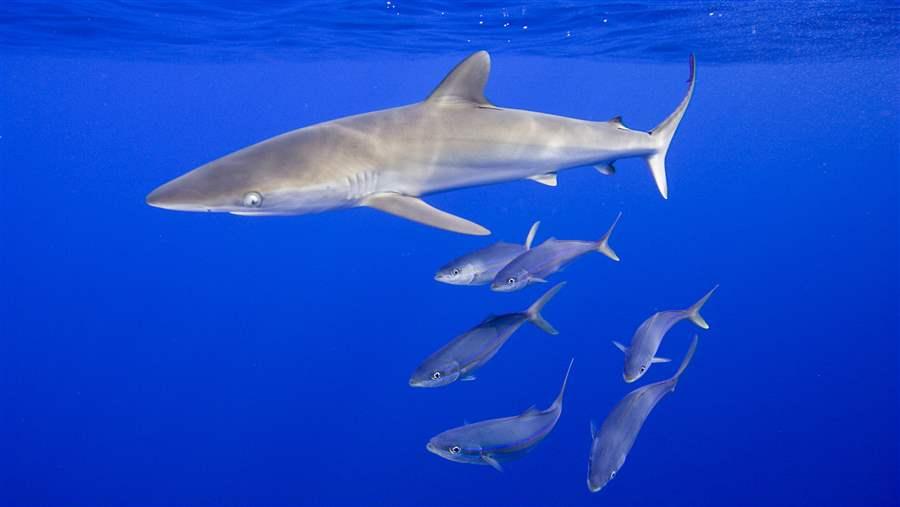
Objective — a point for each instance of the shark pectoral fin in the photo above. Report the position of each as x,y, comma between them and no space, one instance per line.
548,179
660,360
467,378
538,280
606,169
621,347
492,462
417,210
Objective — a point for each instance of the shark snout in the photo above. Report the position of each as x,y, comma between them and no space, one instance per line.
175,196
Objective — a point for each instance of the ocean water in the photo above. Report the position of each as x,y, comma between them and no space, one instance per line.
159,358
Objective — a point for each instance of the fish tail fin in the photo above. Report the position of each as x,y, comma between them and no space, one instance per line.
534,311
603,244
685,361
694,311
531,232
662,135
562,390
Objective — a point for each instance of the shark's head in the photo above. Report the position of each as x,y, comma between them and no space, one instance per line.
435,373
603,467
275,177
510,280
453,445
457,273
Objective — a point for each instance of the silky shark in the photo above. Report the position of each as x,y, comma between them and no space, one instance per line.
388,159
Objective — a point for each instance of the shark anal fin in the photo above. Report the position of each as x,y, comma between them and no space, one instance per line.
606,169
417,210
548,179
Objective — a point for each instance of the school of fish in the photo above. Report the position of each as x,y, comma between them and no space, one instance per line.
456,138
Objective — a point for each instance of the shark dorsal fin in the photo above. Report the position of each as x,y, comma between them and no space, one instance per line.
465,83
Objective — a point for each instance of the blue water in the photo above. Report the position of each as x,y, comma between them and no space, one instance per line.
156,358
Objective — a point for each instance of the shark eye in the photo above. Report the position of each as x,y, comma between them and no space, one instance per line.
511,281
455,271
612,475
436,375
643,368
455,449
252,200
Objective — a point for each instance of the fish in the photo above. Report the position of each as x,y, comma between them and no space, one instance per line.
458,359
495,441
641,354
611,444
481,266
536,264
388,159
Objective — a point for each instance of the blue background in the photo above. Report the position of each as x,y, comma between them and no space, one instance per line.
151,357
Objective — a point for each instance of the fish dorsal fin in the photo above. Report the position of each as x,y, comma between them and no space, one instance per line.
531,410
465,83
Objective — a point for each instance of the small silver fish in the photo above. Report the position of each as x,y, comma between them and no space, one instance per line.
496,440
471,350
481,266
612,443
535,265
645,342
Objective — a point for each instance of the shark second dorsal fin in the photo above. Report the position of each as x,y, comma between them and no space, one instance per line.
465,83
417,210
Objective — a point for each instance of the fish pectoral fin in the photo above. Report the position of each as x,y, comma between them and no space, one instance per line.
417,210
660,360
548,179
621,347
606,169
492,462
467,378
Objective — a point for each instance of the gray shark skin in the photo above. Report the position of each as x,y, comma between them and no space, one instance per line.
471,350
497,440
613,442
641,354
538,263
481,266
388,159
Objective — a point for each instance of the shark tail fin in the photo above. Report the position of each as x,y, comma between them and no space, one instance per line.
562,390
685,361
531,232
694,311
663,133
603,244
534,311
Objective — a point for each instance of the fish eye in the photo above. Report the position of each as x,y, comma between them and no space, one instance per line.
252,200
455,271
455,449
436,375
511,281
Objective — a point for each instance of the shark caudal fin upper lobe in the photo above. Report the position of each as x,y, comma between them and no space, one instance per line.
663,133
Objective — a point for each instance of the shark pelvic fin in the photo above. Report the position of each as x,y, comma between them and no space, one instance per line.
417,210
606,169
465,83
548,179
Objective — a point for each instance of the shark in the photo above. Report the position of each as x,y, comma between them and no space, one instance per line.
389,159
